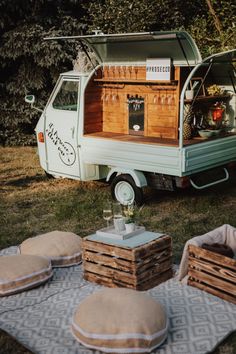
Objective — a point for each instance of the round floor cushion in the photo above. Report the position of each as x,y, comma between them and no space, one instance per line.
62,248
21,272
120,321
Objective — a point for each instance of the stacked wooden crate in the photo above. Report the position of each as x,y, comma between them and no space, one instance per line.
212,272
140,268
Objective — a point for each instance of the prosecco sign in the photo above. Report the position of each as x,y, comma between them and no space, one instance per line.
158,69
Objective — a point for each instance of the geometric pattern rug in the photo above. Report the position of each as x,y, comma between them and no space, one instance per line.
40,318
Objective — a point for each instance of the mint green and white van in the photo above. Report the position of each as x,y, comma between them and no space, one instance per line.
151,112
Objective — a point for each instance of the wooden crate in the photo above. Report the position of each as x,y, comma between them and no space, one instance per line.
139,268
212,272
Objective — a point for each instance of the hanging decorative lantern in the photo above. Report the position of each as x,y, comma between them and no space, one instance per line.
217,114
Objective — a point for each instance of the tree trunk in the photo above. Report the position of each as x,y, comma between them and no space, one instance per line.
217,22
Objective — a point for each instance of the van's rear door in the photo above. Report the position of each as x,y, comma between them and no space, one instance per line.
61,129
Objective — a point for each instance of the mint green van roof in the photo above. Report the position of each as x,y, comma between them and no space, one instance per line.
137,47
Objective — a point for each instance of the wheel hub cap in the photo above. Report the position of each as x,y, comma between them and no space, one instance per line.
124,192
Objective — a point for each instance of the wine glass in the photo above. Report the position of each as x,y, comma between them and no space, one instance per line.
130,71
117,210
107,213
118,219
114,94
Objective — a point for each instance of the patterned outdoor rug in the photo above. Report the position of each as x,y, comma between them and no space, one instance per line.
41,318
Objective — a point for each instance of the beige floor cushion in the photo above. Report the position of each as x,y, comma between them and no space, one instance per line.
20,272
62,248
120,321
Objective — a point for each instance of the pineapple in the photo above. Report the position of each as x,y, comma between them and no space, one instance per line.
187,129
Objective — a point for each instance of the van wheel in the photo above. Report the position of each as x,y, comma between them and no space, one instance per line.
124,190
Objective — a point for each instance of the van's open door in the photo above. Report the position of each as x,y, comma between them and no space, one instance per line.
61,129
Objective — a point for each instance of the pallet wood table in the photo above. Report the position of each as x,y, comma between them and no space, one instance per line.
212,272
140,262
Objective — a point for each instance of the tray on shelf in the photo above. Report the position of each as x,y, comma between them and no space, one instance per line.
110,232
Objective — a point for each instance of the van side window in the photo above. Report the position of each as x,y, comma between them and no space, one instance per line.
67,96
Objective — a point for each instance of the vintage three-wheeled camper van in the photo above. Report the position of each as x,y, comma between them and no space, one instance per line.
151,113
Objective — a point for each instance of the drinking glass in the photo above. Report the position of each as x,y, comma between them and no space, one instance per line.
107,213
130,71
118,219
117,210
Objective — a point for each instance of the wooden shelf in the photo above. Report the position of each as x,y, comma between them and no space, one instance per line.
208,98
153,140
138,81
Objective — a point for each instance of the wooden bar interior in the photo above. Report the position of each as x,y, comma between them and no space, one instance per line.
106,102
107,105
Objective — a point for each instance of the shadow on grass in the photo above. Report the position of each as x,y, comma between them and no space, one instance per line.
26,181
153,196
9,345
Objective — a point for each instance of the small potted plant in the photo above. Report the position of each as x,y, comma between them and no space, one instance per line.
214,90
130,213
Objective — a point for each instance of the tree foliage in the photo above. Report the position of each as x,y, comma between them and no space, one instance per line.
114,16
212,23
215,30
29,64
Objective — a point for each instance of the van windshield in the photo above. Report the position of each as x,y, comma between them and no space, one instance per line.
67,96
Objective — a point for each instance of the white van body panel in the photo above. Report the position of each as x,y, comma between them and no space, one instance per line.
40,128
128,155
61,127
62,134
138,177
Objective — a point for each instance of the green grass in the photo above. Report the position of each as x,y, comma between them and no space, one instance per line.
31,204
